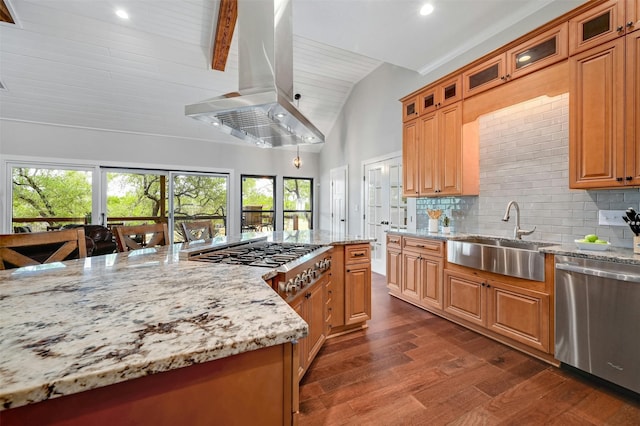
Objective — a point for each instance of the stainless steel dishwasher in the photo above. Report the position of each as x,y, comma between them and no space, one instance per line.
598,318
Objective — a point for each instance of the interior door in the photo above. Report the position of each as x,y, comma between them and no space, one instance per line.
377,212
338,178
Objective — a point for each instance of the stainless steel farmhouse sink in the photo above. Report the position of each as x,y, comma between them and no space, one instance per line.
515,258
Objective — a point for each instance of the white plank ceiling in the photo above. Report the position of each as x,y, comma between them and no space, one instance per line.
75,63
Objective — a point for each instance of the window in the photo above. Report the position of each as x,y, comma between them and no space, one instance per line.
199,197
136,197
48,197
298,204
258,201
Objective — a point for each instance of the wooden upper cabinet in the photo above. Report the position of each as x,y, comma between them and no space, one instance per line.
428,149
484,76
410,108
531,55
545,49
597,25
596,119
450,148
440,94
410,162
632,91
633,15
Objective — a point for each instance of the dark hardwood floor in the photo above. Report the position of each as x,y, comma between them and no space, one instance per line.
413,368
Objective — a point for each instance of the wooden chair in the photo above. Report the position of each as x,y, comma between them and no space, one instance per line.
201,230
35,248
141,236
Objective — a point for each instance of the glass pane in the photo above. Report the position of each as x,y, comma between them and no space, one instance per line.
46,199
540,51
297,221
411,108
450,91
484,76
136,198
598,25
198,198
429,101
258,195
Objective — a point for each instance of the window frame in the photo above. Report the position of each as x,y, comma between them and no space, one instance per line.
243,211
311,198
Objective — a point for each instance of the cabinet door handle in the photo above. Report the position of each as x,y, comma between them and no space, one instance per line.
358,254
630,24
629,178
618,179
420,245
620,28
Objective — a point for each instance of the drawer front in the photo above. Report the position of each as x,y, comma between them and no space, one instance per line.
394,241
425,246
357,253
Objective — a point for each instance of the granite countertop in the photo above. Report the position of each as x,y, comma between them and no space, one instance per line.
613,254
78,325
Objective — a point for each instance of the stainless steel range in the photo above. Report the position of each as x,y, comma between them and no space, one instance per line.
297,265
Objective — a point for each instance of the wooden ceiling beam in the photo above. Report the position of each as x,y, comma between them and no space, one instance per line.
227,17
5,15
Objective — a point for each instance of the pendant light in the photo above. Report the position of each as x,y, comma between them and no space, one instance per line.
297,162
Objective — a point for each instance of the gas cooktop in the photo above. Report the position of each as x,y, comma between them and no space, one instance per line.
265,254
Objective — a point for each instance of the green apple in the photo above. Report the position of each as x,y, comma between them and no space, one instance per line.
601,242
592,238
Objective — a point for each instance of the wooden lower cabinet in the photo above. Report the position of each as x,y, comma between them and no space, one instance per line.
422,266
256,387
311,307
514,312
357,294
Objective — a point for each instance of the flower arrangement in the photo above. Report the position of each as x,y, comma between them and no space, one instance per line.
434,214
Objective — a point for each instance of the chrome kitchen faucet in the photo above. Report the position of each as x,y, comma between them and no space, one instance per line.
517,232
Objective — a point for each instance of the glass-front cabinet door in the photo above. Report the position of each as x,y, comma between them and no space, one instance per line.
541,51
596,26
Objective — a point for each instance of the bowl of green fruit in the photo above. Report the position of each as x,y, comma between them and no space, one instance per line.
592,242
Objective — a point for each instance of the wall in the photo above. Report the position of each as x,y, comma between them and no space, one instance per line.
524,156
92,146
369,126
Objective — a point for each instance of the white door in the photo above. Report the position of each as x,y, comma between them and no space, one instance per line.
385,207
338,178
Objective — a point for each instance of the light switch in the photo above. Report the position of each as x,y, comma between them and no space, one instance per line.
611,217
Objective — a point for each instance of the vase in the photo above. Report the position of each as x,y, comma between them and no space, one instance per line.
446,229
433,225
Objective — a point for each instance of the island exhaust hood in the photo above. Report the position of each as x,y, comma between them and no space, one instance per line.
262,111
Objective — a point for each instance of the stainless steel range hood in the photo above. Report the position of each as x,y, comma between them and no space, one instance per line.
262,111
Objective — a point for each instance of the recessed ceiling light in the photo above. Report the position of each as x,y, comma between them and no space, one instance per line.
280,115
524,58
426,9
122,14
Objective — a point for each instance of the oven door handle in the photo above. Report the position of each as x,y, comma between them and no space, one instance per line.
598,273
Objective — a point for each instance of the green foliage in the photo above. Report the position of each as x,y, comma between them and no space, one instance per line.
51,193
297,194
258,191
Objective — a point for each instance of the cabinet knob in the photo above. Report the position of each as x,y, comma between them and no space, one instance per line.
630,24
618,179
620,28
629,178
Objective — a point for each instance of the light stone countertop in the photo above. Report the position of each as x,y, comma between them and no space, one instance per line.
78,325
613,254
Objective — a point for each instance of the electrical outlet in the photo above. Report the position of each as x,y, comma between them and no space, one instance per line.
611,217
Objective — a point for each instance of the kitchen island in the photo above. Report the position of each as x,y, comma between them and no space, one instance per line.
152,337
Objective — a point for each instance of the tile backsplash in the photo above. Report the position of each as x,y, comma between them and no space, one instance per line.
524,156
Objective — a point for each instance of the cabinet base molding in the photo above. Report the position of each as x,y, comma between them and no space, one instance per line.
483,331
339,331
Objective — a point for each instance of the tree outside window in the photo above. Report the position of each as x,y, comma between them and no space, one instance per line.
298,204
